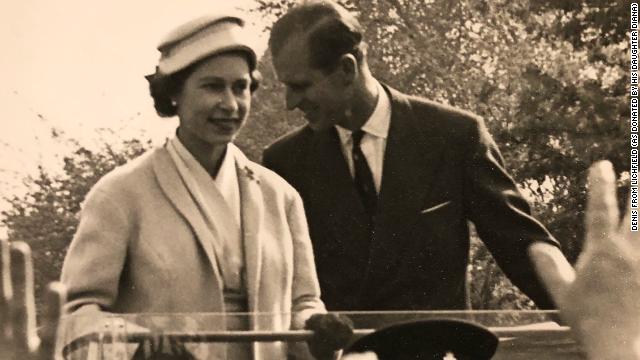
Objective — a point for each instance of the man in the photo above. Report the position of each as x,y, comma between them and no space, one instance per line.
600,300
389,180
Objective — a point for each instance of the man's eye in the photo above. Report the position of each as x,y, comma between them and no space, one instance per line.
297,87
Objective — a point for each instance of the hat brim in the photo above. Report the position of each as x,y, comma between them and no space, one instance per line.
429,339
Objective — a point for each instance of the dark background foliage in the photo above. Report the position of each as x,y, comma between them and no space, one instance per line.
549,78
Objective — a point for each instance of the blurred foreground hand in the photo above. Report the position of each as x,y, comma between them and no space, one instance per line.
19,338
601,301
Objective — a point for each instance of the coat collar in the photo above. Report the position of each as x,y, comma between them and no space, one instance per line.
252,208
332,176
412,156
175,190
251,212
411,160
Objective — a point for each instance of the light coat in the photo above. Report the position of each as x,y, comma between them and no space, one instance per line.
142,247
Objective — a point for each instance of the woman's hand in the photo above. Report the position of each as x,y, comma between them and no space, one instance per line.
331,332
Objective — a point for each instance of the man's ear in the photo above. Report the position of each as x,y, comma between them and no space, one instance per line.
348,66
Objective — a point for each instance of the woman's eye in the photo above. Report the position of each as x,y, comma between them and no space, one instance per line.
213,86
241,87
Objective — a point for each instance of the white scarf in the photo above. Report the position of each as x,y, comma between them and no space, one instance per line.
221,213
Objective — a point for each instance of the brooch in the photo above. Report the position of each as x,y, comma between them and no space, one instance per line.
250,174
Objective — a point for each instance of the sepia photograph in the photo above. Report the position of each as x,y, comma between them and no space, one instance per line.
319,179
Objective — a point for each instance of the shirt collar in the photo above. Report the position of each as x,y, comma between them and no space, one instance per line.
227,177
378,123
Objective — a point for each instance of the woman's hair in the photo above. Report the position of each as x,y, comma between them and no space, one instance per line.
165,87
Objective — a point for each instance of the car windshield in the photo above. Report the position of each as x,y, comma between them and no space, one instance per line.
522,334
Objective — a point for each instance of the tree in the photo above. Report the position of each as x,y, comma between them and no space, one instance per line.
47,216
549,78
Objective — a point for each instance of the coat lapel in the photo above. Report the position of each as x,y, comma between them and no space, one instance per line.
332,180
412,157
251,208
175,190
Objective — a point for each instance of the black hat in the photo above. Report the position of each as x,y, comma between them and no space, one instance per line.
429,339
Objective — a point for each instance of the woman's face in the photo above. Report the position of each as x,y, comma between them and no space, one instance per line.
215,100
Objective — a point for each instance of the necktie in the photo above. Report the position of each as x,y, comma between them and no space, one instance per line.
363,177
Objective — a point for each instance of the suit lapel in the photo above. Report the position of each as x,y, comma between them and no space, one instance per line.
252,208
332,180
412,157
174,189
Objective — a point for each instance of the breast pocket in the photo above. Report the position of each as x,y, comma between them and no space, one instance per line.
438,224
436,207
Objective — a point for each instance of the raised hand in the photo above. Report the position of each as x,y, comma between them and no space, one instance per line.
19,338
601,302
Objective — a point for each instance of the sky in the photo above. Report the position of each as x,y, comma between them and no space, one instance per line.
78,66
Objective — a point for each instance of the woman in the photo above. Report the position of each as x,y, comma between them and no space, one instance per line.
194,226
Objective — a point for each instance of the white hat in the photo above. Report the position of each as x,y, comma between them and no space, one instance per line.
202,37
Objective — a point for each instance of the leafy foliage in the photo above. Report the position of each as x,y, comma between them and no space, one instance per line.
549,77
47,216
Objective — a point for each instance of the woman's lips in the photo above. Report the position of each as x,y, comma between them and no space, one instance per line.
224,124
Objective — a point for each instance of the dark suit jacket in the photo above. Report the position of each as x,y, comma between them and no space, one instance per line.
441,168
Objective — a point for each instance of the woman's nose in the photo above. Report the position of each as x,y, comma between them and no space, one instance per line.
228,101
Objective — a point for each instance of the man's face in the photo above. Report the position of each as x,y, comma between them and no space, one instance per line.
321,96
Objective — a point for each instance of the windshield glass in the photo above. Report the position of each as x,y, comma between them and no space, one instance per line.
522,334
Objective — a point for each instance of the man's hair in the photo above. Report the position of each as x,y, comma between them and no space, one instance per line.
330,29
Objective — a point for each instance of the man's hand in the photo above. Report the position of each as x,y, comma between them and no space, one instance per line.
19,338
601,302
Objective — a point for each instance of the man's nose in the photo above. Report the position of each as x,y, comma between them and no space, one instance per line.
293,99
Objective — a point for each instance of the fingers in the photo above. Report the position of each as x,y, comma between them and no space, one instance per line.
159,344
331,333
552,268
601,220
54,299
6,292
23,317
625,227
17,304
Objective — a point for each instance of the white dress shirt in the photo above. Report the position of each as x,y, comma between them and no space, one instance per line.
374,141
